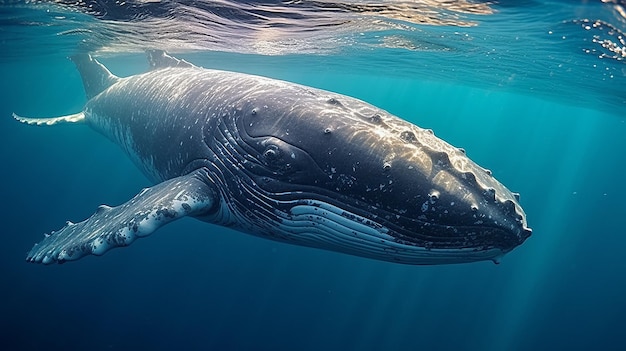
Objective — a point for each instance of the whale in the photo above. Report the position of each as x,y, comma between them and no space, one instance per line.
285,162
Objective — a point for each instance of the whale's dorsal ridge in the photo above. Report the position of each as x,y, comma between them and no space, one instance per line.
96,77
159,59
110,227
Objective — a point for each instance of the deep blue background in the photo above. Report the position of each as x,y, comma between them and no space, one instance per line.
195,286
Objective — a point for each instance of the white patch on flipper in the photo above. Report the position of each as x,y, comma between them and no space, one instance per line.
111,227
99,247
63,256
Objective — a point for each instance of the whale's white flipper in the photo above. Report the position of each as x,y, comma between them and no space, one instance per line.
111,227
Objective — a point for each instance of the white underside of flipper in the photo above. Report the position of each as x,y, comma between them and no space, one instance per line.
112,227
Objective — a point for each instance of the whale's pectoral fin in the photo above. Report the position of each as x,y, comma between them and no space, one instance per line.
111,227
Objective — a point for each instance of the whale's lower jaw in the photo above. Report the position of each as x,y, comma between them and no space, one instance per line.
318,224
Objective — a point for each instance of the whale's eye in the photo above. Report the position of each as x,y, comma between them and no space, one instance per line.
271,153
282,162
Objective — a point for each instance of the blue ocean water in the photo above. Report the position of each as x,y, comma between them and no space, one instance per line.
527,90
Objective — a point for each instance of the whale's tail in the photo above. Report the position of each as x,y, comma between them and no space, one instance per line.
96,77
74,118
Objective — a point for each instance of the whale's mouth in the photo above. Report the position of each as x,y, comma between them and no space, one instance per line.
325,225
459,233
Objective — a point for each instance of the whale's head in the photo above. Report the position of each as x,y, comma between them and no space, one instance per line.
339,174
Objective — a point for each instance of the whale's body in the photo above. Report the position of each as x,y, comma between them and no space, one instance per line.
285,162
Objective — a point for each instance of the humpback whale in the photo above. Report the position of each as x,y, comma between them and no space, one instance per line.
284,162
